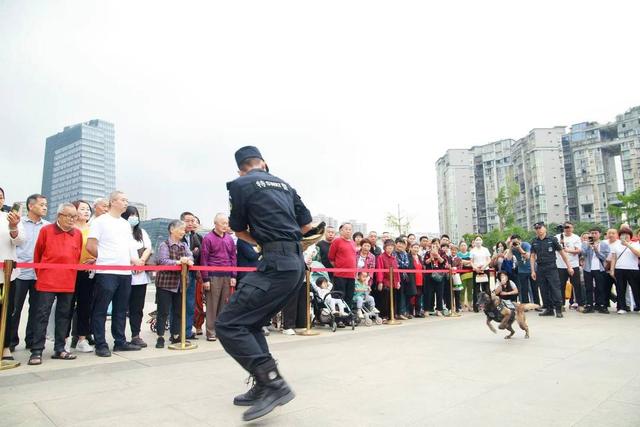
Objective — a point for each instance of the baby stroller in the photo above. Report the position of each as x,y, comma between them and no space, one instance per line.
370,317
152,322
323,313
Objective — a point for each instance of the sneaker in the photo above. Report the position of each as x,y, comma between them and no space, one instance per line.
559,314
376,311
603,310
360,314
160,342
622,311
288,332
139,342
103,352
83,346
127,346
574,306
402,317
588,309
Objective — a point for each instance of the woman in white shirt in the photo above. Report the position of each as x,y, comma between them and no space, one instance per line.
11,235
480,260
140,251
624,268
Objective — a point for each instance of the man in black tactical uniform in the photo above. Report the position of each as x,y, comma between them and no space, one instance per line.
267,211
543,269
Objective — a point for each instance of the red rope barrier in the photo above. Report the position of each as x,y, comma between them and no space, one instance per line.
91,267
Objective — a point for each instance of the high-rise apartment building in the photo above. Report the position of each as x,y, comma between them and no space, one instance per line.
79,163
538,168
561,175
456,193
604,161
492,167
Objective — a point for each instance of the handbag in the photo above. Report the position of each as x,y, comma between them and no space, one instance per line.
568,290
482,278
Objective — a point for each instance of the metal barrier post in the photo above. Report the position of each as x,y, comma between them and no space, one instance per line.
392,317
4,302
453,311
183,323
308,332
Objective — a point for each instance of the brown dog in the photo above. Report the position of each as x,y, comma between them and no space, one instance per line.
505,313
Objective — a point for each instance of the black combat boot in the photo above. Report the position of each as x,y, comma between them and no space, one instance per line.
547,312
250,397
273,391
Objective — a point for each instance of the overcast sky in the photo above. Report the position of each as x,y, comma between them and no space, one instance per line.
351,102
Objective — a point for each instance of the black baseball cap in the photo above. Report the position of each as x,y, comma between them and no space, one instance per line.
539,224
247,152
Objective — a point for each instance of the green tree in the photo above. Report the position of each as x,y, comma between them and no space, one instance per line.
506,199
629,207
399,222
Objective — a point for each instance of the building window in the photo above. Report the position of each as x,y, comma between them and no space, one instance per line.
587,209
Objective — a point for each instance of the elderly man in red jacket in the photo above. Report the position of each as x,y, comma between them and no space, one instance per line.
58,243
342,254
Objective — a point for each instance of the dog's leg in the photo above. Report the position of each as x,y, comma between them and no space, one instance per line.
510,329
522,322
491,326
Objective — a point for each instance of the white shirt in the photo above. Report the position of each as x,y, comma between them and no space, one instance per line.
114,242
8,244
572,242
596,265
625,258
480,256
140,278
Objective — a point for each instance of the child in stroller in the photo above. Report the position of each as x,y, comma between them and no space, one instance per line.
365,304
323,288
324,307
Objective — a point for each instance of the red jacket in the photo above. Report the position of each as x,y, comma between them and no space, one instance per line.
342,254
57,247
384,261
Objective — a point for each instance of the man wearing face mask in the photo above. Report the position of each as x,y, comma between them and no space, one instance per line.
543,269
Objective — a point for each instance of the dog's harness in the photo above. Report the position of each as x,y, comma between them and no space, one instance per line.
496,313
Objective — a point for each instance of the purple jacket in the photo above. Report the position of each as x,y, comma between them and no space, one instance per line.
217,251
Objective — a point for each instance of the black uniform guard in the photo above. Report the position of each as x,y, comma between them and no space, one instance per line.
544,250
273,213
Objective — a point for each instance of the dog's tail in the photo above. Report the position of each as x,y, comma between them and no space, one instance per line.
527,307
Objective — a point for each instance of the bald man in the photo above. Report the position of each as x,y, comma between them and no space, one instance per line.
218,250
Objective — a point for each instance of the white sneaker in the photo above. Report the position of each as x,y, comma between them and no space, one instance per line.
376,311
360,314
288,332
622,312
84,347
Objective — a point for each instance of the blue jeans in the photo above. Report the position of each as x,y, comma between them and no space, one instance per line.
191,303
116,288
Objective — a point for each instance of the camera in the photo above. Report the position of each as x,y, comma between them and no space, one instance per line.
515,244
560,229
591,240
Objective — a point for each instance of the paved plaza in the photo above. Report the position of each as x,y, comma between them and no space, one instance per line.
583,370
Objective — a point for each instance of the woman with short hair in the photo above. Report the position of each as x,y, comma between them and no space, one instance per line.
172,251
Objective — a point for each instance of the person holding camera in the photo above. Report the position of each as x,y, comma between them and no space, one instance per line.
595,253
543,269
522,254
572,245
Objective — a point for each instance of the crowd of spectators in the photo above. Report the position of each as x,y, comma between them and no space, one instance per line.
73,306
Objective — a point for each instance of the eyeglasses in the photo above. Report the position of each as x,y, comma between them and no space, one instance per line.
71,217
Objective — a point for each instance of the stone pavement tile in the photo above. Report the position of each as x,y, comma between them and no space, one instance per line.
612,414
23,378
629,393
69,388
121,402
156,417
23,414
